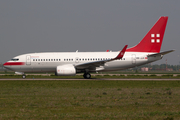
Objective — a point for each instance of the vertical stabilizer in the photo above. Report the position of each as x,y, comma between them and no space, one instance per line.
153,40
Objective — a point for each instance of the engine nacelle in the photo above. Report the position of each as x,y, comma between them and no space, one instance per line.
65,70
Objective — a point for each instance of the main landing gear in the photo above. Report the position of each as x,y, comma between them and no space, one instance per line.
87,75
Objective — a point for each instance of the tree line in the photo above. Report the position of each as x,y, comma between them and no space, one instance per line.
161,67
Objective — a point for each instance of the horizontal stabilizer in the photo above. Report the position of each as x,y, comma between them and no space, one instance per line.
161,53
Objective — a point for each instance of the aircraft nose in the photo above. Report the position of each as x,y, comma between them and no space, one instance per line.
5,64
13,63
8,65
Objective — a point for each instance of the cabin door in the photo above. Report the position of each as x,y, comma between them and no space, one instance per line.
133,59
28,60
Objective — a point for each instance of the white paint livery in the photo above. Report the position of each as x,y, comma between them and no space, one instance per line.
70,63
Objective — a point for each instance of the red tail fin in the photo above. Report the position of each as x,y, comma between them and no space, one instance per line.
153,39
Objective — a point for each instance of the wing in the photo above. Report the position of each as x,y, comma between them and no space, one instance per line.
94,64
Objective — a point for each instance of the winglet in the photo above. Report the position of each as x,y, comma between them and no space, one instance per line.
121,54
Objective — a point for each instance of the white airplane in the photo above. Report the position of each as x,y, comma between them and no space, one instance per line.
70,63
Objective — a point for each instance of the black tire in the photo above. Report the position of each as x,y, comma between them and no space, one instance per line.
23,76
87,75
84,76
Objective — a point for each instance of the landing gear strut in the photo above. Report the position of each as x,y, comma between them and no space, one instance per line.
87,75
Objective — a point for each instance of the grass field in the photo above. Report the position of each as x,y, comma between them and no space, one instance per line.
94,99
96,76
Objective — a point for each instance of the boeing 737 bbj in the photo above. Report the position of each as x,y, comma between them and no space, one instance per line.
71,63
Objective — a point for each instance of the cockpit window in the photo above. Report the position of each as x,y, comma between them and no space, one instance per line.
15,59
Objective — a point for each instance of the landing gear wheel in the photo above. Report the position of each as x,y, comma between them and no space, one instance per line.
87,75
23,76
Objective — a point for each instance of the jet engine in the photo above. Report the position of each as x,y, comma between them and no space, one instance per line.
65,70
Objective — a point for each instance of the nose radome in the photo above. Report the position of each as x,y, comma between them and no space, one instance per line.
5,64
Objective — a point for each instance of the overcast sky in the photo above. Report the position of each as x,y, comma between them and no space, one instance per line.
28,26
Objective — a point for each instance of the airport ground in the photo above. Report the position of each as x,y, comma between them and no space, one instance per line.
109,76
90,99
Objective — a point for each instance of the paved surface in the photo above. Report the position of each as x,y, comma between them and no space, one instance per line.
174,75
94,79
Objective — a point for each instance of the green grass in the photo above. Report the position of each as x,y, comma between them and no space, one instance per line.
95,99
119,76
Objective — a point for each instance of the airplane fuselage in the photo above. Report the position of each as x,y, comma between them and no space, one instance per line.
48,62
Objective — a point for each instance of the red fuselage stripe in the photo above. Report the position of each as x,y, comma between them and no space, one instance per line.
14,63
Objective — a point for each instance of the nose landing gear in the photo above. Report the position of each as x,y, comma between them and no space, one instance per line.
23,76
